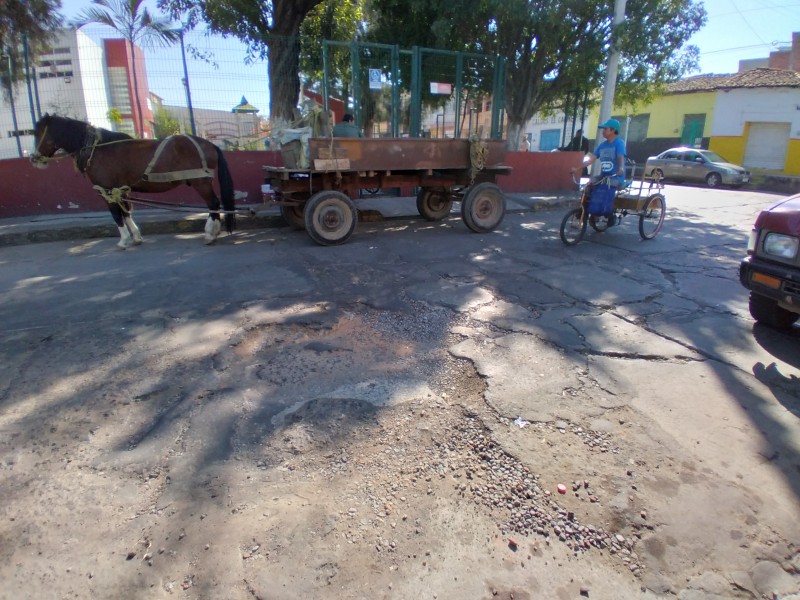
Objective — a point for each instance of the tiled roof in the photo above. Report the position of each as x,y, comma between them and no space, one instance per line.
754,78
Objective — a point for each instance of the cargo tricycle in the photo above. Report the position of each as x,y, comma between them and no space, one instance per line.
643,198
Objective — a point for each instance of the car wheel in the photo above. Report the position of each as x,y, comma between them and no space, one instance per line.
713,179
766,311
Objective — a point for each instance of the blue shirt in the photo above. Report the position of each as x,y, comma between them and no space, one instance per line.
607,153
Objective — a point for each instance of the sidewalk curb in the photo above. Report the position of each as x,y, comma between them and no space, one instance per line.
87,226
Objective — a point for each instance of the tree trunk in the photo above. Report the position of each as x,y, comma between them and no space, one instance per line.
283,51
514,135
284,76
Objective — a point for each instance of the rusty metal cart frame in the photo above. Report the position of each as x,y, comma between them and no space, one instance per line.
320,199
643,198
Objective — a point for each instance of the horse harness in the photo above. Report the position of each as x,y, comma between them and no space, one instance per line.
119,195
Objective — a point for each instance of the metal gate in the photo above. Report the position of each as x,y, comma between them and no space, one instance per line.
766,146
421,92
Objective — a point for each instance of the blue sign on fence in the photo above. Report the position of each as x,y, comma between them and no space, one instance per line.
375,79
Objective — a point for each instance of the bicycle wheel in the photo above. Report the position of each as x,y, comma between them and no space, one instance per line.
652,216
573,227
599,224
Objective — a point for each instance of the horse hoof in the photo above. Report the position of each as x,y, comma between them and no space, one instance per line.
138,241
122,245
209,240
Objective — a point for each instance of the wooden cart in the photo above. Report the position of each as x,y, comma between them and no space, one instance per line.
320,199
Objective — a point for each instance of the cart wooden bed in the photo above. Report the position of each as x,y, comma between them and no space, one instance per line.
322,198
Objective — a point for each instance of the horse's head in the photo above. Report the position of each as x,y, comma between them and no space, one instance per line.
45,146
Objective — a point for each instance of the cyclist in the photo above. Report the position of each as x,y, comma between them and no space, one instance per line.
611,153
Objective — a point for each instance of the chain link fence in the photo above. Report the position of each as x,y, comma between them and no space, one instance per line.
212,86
418,93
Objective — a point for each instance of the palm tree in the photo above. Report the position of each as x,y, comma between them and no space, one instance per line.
134,23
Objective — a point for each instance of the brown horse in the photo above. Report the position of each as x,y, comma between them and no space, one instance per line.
117,164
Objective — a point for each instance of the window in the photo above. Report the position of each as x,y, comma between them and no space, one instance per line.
549,139
634,129
692,156
19,133
118,85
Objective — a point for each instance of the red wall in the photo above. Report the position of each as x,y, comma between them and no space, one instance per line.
540,171
60,189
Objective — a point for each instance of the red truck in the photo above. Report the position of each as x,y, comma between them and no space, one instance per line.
771,270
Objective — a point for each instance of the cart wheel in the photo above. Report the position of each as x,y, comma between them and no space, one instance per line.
599,224
293,215
433,205
483,207
652,217
573,227
330,218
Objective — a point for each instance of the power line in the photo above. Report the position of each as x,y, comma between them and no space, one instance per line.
773,45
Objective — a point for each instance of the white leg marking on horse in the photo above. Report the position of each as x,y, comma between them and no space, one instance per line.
134,229
124,237
212,230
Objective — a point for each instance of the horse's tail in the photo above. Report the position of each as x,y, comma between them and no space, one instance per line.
226,190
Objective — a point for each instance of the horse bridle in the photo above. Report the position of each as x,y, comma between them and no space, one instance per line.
37,156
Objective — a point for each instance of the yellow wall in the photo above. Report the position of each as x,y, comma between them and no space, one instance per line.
731,148
667,112
792,166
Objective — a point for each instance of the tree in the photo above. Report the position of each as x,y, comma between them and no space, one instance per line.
269,28
554,47
136,25
28,22
114,115
165,124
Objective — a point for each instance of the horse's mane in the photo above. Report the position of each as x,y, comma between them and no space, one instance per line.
73,134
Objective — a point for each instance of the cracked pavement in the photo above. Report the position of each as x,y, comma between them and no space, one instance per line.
270,417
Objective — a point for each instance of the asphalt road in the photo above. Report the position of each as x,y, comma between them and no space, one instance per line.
659,328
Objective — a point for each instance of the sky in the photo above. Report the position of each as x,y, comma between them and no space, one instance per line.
743,29
735,30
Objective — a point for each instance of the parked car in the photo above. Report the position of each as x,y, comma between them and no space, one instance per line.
771,270
696,165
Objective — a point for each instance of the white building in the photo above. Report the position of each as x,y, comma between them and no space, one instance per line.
70,81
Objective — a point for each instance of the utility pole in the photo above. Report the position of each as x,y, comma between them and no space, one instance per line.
186,85
612,68
7,58
28,78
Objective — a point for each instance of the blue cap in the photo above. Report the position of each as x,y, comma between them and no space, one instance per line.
613,123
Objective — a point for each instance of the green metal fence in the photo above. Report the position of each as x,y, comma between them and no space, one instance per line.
416,93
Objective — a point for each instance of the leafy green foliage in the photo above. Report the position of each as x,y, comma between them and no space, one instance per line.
114,115
332,20
30,22
165,124
555,48
136,25
269,28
